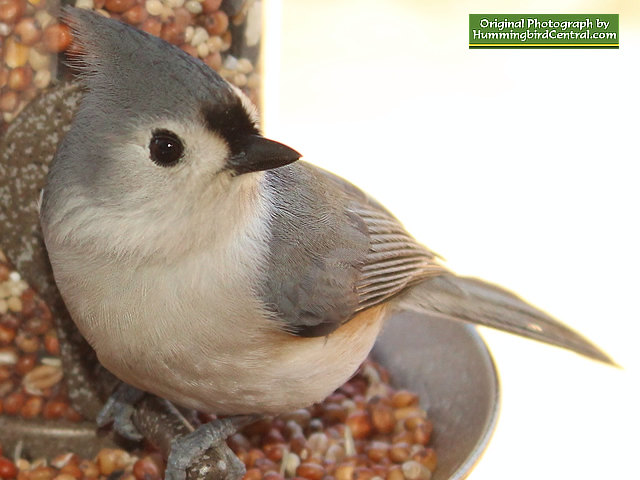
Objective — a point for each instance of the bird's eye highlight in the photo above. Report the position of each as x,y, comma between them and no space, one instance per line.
165,148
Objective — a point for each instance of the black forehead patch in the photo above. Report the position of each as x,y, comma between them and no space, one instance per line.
231,121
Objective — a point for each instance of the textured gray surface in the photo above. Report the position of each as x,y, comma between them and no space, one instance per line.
26,150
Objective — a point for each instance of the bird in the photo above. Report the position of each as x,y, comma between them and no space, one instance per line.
211,266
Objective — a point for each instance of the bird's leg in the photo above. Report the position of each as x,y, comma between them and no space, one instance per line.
119,409
207,445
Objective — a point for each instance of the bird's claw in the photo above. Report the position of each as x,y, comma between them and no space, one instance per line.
119,409
207,444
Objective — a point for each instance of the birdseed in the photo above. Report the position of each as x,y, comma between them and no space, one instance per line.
32,38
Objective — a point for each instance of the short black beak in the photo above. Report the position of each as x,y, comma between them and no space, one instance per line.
258,153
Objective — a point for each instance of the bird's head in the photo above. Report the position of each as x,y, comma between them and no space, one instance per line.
157,130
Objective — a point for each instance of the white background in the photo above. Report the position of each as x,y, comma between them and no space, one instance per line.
518,166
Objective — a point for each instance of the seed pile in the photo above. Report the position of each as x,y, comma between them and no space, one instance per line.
30,369
225,34
109,463
30,37
365,430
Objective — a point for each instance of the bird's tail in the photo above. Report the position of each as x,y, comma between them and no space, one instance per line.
482,303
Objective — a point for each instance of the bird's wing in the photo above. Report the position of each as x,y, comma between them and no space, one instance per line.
394,259
334,251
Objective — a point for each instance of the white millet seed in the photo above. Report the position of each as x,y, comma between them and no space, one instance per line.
86,4
200,35
154,7
202,49
42,78
38,60
194,7
215,43
244,65
188,33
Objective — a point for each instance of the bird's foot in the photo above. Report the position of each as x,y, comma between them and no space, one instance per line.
119,408
208,443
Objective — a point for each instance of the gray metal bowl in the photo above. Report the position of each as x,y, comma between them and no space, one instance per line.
449,366
446,363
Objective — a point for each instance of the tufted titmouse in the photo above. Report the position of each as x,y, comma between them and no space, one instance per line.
208,266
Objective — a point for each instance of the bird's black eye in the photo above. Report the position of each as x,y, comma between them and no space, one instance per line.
165,148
